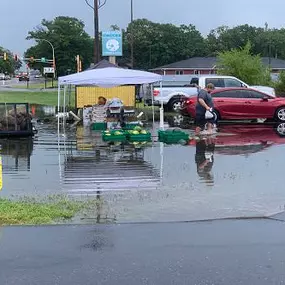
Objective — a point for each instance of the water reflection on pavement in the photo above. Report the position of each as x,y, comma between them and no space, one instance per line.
237,173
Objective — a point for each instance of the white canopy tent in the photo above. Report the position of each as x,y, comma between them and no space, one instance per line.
107,77
110,77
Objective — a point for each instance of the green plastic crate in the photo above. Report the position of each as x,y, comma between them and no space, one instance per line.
170,140
172,136
130,127
139,138
114,138
102,126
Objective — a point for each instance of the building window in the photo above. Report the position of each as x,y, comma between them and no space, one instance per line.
179,72
196,72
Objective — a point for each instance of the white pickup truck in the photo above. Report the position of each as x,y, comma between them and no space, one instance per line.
171,95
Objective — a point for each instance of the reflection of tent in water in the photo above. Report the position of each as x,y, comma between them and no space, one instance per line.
118,171
16,154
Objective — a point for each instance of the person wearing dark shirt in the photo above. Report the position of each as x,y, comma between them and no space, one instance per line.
204,159
204,103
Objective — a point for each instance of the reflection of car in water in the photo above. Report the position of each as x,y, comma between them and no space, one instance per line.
246,139
234,140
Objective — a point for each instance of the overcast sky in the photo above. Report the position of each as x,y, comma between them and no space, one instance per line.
17,17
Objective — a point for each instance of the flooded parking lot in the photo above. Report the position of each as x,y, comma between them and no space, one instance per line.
238,173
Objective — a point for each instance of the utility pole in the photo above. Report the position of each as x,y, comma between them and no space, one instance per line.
96,33
132,34
95,8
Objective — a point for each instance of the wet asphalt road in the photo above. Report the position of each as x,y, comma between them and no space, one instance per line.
209,253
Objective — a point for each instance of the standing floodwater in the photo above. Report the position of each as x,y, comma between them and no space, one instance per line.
237,173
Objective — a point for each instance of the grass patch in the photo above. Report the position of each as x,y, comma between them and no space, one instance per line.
40,98
32,211
36,85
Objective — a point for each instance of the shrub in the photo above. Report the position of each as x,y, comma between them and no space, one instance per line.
243,65
280,85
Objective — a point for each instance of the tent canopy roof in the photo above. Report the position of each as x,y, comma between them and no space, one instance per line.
110,77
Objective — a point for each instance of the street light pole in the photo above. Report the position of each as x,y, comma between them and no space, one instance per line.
53,54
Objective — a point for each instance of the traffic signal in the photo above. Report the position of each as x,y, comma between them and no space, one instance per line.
5,56
15,57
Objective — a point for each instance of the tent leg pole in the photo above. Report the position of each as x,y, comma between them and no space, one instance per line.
64,107
58,122
161,113
152,103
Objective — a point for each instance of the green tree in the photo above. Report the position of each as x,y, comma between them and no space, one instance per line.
10,65
69,38
242,64
159,44
224,38
271,43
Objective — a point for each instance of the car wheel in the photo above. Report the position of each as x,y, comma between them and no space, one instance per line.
178,119
280,114
175,105
280,129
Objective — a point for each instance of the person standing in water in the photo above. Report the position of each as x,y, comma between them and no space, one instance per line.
204,103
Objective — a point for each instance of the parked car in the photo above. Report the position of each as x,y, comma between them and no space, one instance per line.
171,95
241,104
24,77
5,76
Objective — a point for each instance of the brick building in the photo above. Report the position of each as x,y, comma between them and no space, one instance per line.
207,65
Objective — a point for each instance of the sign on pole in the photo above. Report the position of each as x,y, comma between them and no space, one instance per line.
112,43
48,70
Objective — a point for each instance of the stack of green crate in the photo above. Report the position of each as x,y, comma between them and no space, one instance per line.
99,126
138,135
173,136
134,136
114,136
130,126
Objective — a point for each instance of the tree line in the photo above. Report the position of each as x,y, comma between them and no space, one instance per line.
155,44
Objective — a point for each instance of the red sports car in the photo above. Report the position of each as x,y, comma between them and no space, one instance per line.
241,104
